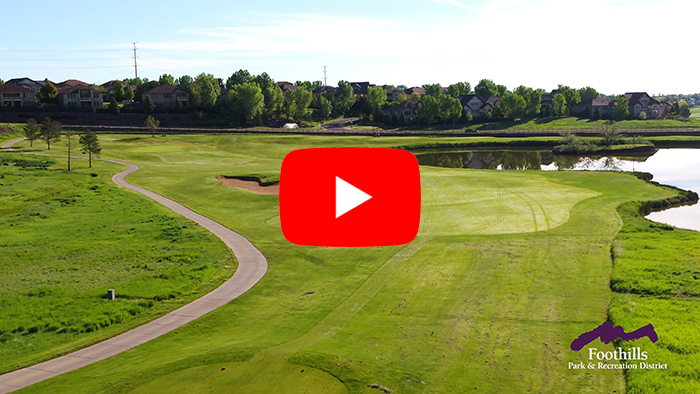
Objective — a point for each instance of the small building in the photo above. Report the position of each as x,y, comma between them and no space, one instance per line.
285,86
416,89
165,96
290,126
392,94
16,96
79,95
641,102
605,107
109,88
28,83
479,106
402,112
324,89
360,88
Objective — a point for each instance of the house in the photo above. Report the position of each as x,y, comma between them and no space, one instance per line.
478,106
166,96
401,112
606,108
322,90
109,88
418,90
360,88
76,94
547,105
13,95
284,85
392,94
641,102
28,83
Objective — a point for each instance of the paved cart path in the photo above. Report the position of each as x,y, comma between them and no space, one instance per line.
251,268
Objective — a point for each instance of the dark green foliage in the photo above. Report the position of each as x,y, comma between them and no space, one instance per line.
239,77
596,114
90,145
622,110
129,93
118,93
148,105
32,131
50,131
113,106
166,79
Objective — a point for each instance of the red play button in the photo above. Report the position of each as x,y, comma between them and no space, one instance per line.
350,197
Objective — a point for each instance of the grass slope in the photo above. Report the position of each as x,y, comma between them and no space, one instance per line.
68,237
490,294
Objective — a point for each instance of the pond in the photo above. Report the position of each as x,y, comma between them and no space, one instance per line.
676,167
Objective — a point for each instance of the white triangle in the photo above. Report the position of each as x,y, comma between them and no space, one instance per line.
347,197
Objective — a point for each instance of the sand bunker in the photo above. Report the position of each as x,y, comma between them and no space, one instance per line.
252,185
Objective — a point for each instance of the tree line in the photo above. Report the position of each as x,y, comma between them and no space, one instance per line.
50,131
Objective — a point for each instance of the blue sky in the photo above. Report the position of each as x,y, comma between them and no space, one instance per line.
612,45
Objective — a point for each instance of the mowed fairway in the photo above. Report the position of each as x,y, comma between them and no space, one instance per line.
508,269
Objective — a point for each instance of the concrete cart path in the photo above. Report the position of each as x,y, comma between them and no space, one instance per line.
251,268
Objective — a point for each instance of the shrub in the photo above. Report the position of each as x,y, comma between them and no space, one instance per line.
643,115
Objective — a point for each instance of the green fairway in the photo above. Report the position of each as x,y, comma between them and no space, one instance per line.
695,113
508,269
68,237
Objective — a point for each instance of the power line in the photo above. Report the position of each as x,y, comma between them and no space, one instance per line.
61,51
61,60
58,68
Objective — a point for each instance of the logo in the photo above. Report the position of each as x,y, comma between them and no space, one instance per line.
607,333
350,197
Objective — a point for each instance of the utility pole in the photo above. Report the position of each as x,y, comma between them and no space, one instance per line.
136,65
325,81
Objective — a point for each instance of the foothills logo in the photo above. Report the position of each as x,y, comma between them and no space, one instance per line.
607,333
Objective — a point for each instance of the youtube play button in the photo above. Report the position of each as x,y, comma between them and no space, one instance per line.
350,197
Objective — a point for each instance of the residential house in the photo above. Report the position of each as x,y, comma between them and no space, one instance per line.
166,96
418,90
478,106
109,88
77,94
284,85
360,88
403,112
13,95
605,107
322,90
547,105
392,94
641,102
28,83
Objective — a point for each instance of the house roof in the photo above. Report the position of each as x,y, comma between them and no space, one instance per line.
360,87
72,89
71,82
595,102
416,89
284,85
469,97
14,88
390,91
167,88
323,89
633,98
493,100
402,106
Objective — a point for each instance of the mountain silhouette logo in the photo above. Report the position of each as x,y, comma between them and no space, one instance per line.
607,333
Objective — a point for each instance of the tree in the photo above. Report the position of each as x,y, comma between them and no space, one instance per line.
596,114
533,99
502,90
486,88
610,135
143,88
274,98
135,81
238,78
166,79
308,85
434,90
113,106
247,101
148,105
622,109
48,94
205,90
184,82
32,131
70,134
559,104
324,107
513,106
118,92
468,117
2,81
90,145
152,125
50,131
450,108
297,103
429,109
683,109
343,98
459,89
588,93
376,98
129,93
571,96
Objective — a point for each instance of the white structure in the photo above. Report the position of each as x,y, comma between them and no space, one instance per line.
290,126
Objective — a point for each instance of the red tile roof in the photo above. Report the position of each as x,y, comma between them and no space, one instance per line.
12,88
166,89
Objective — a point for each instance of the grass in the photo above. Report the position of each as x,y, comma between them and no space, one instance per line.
695,113
507,270
68,237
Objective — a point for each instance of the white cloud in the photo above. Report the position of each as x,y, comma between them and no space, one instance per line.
455,3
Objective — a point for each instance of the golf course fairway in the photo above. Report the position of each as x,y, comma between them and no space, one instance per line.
508,268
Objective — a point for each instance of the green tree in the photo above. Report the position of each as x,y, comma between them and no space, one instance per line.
274,98
239,77
459,89
596,114
429,109
434,90
118,92
559,104
513,106
622,109
48,94
376,98
610,135
135,81
533,99
184,82
297,103
247,101
450,108
129,93
90,145
683,109
2,81
113,106
148,105
486,88
152,125
166,79
50,131
571,96
324,107
205,90
69,134
588,93
32,131
343,98
502,90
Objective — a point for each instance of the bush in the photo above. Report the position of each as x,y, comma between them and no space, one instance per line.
571,143
643,115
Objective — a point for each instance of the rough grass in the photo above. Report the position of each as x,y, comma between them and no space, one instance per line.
68,237
489,303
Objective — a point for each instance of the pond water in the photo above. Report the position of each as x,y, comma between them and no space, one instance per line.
676,167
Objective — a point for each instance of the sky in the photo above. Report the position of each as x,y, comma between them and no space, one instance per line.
615,46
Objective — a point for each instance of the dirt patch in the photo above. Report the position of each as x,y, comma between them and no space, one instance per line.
251,185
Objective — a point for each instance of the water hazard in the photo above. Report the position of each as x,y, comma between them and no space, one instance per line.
676,167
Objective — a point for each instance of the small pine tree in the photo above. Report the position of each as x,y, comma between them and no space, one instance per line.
148,105
129,93
113,106
50,131
596,114
152,124
90,144
32,130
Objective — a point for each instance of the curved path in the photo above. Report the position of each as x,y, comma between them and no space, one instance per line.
251,268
